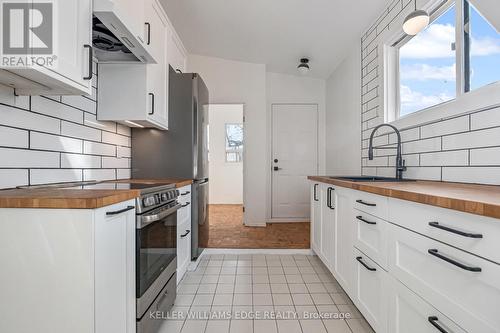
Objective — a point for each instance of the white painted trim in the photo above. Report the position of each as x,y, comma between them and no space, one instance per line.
258,251
288,220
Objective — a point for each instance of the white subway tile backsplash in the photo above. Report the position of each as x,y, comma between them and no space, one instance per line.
78,161
461,149
48,107
47,176
99,174
80,132
477,175
476,139
451,126
51,142
485,156
10,178
22,158
81,103
60,141
115,163
433,144
448,158
95,148
10,116
115,139
485,119
12,137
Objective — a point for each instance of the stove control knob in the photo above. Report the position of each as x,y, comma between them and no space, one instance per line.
164,196
149,201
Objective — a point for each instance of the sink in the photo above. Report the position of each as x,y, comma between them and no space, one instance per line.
371,179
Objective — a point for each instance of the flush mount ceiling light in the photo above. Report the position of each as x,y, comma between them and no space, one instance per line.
416,21
304,66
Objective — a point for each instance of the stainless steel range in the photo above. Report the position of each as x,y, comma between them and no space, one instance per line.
156,253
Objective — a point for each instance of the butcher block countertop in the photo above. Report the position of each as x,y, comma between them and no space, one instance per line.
67,198
78,197
470,198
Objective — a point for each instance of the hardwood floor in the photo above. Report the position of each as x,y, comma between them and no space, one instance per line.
227,231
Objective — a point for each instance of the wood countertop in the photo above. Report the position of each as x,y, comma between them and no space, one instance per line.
179,182
66,198
78,198
470,198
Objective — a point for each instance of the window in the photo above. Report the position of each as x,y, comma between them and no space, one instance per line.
426,66
234,143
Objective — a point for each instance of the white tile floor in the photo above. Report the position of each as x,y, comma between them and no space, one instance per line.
262,294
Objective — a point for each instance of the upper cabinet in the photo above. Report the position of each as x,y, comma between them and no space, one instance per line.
56,58
135,94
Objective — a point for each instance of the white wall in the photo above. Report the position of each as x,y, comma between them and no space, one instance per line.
226,179
343,118
242,83
291,89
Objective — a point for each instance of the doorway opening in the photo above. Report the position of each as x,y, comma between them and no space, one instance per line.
226,161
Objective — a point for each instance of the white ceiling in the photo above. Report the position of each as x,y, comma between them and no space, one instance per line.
274,32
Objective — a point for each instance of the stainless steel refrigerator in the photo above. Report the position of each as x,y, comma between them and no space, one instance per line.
182,151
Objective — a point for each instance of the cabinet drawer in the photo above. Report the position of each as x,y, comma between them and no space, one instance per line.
184,213
370,291
472,233
375,205
408,313
371,236
185,194
462,286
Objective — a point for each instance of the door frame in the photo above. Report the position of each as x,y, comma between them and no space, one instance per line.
272,219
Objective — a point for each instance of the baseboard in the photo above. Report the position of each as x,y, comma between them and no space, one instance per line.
288,220
258,251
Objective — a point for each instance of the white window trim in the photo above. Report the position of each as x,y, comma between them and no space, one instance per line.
486,97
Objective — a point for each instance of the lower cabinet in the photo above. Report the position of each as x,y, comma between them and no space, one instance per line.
74,268
183,232
316,216
370,291
408,313
328,225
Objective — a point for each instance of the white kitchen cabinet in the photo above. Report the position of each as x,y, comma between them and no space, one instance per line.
76,267
137,94
370,291
316,216
184,232
177,54
344,239
408,313
328,228
371,236
71,73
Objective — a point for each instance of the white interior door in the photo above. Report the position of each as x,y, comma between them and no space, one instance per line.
294,157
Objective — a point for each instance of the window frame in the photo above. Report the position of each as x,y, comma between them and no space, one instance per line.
392,39
236,150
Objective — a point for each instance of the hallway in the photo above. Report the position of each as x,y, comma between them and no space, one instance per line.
227,231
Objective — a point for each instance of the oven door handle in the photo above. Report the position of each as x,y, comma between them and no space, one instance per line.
145,220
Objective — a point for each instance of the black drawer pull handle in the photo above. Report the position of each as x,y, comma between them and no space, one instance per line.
152,104
434,322
367,222
315,192
91,56
185,205
366,203
329,198
360,259
435,253
455,231
187,233
120,211
185,193
149,33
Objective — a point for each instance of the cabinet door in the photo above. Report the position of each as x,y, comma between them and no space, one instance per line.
370,291
183,248
176,55
73,31
316,217
115,269
344,264
328,225
408,313
157,74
